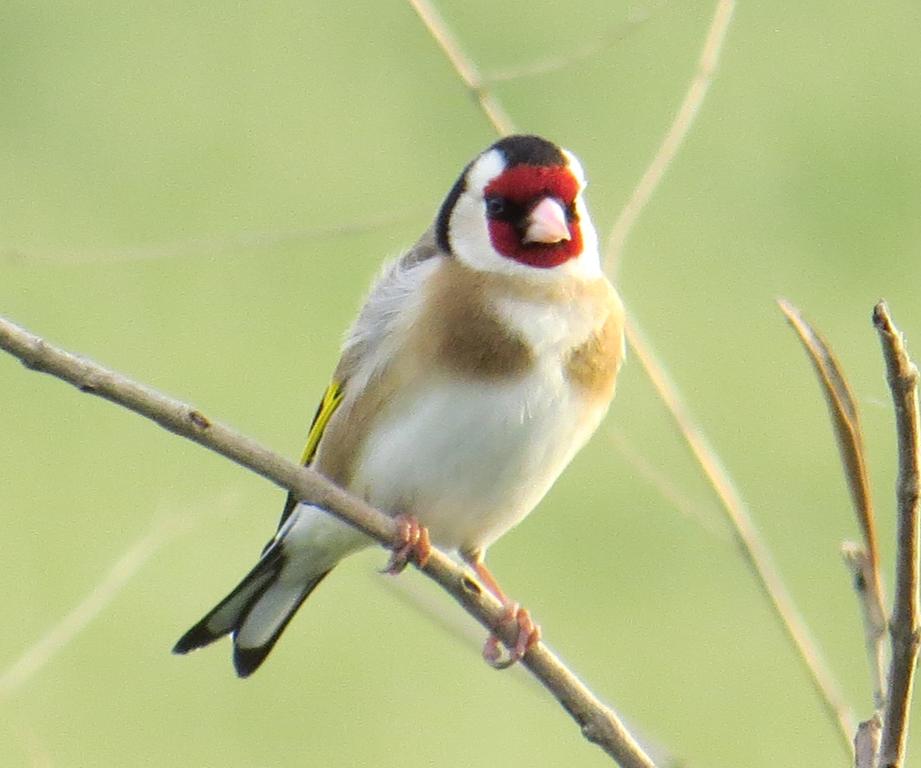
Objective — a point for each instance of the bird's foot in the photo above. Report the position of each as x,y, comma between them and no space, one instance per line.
528,637
411,543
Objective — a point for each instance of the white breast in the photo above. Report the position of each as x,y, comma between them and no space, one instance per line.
470,459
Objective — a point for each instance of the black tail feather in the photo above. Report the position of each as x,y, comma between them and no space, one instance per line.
213,627
248,660
229,615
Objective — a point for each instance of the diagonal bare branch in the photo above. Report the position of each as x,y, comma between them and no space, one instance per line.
598,723
904,627
863,561
749,539
747,535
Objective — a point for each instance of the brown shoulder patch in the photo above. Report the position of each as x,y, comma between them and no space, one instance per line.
341,445
459,331
593,365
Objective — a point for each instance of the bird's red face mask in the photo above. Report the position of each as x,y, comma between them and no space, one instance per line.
531,215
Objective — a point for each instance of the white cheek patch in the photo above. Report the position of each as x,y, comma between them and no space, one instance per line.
484,170
590,260
469,234
575,168
469,230
589,263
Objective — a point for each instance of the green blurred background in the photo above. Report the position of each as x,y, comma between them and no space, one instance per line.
198,195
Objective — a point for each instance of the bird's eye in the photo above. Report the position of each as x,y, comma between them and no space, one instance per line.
495,207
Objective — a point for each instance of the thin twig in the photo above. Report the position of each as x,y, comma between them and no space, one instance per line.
199,246
554,63
863,561
35,748
41,652
866,743
45,648
904,628
661,482
464,67
747,535
598,723
693,99
750,542
745,532
869,598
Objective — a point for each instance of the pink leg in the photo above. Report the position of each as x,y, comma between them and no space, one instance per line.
412,542
528,631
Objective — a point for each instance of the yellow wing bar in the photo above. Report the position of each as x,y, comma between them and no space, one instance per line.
331,400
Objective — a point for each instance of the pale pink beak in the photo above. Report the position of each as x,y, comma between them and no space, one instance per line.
547,223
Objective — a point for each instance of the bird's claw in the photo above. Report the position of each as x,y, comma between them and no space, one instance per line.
411,542
528,637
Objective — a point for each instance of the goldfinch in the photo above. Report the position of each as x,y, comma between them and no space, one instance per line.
480,363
